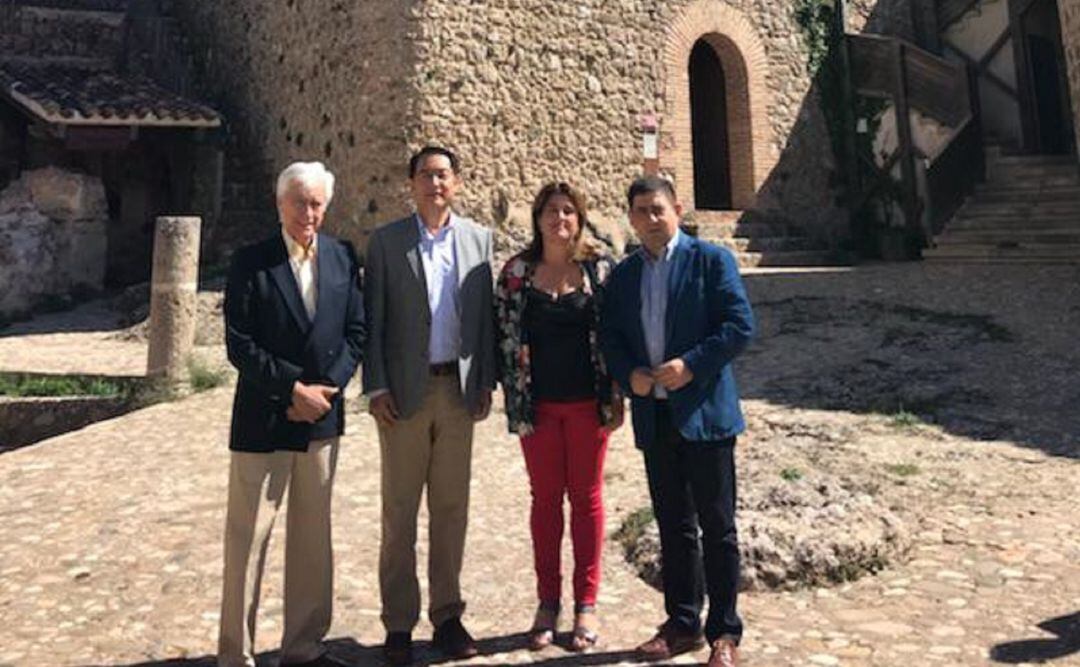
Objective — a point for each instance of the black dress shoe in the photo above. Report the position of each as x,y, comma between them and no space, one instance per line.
398,648
454,640
324,660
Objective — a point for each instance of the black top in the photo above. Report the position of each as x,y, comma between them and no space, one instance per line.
557,329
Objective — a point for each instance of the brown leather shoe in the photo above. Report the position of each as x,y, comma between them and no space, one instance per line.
669,642
454,640
724,654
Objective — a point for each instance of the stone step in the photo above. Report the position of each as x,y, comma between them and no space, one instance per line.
1022,236
1026,196
994,158
765,244
1015,224
720,230
1004,252
767,259
977,207
1025,181
1033,171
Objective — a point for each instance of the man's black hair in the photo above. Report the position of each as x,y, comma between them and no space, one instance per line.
648,185
418,157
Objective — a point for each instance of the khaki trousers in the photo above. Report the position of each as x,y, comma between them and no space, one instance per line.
433,448
257,485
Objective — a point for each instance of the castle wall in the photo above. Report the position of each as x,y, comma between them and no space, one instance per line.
318,80
526,91
1070,37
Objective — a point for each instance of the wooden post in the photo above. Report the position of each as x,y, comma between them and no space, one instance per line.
907,143
850,157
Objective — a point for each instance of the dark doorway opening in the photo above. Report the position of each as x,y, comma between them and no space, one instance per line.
709,127
1047,107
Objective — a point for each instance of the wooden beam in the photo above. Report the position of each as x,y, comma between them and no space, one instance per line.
990,76
902,109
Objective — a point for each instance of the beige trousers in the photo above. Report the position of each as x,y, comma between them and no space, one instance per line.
257,485
432,449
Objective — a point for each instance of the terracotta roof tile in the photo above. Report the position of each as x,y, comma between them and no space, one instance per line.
75,96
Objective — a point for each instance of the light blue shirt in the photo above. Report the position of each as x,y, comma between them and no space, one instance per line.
654,294
441,276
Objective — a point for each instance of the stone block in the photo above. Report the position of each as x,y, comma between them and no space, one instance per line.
65,195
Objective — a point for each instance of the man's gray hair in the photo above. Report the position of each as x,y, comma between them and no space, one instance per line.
307,173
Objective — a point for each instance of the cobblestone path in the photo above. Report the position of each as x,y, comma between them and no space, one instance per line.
110,551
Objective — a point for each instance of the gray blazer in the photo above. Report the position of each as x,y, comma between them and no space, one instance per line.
399,319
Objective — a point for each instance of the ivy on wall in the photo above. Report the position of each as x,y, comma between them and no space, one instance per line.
824,41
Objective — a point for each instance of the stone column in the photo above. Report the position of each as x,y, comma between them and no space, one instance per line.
173,297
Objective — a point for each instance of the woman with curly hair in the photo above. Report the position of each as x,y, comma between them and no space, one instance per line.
559,399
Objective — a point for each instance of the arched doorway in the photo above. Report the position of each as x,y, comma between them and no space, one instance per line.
709,129
1045,104
730,76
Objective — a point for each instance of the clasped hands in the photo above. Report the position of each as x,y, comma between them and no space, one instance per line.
670,375
310,402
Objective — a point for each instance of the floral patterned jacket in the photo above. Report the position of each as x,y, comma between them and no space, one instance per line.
513,356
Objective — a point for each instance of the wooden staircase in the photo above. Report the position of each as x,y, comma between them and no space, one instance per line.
759,244
1028,211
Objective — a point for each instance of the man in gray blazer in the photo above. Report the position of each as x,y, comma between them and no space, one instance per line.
429,372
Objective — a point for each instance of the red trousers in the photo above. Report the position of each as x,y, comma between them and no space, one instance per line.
565,457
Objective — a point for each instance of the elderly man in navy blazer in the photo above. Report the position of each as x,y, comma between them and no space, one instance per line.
675,317
295,330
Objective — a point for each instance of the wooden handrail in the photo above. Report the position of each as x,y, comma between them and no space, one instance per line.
934,86
913,78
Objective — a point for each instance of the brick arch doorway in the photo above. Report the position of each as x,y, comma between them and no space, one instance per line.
709,129
734,40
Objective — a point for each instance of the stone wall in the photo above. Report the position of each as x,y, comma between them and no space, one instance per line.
1070,37
525,91
46,31
52,238
317,79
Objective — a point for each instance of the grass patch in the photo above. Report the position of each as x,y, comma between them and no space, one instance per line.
902,469
904,419
634,525
17,385
791,474
204,377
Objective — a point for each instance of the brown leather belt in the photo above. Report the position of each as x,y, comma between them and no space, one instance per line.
446,368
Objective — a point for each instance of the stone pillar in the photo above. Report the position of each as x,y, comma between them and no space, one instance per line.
173,297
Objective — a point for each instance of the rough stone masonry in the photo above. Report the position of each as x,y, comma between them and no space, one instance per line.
526,91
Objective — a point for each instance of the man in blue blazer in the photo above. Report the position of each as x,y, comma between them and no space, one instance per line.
294,323
675,316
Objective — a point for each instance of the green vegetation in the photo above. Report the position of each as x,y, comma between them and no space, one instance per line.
791,474
204,377
902,469
633,527
904,419
21,385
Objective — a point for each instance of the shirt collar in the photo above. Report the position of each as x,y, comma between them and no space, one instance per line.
438,236
669,249
297,252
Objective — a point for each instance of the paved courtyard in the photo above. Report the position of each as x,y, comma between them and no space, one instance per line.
110,537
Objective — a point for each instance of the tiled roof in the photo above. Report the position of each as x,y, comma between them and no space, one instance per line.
69,95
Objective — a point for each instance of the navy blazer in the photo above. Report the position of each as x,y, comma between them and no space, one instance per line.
708,323
273,343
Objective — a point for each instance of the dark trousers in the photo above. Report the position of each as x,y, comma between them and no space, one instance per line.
692,485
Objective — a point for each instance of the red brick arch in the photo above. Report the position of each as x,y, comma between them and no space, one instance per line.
742,57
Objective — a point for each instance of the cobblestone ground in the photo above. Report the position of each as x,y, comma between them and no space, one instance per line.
110,537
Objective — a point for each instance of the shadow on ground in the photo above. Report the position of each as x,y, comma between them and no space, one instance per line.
840,342
351,652
1066,642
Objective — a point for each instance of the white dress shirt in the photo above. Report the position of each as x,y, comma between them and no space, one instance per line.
655,276
441,276
302,262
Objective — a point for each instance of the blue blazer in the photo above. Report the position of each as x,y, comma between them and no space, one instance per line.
708,323
273,343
